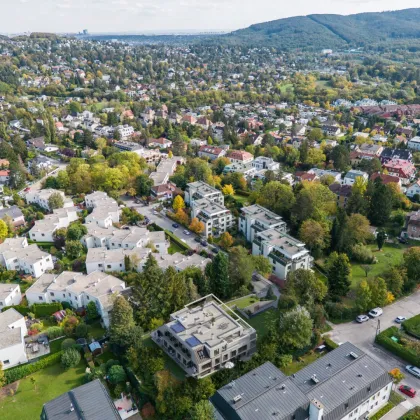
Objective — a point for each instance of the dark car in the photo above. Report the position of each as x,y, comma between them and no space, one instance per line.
197,239
214,250
203,242
175,225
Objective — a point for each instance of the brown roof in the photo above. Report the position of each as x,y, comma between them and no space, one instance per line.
341,190
386,179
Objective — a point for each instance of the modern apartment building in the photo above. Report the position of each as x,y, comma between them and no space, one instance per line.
199,189
204,336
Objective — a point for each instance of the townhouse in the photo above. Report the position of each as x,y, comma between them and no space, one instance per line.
14,214
10,295
403,169
105,210
161,143
41,198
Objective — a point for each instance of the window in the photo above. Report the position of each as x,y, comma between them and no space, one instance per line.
40,297
87,297
51,293
108,266
6,362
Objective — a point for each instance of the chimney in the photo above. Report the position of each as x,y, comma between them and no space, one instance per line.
316,410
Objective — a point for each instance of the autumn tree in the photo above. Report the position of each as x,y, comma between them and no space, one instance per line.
314,234
3,229
363,296
196,226
178,203
226,240
277,197
228,190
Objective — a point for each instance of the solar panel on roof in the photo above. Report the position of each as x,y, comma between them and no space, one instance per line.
193,341
177,327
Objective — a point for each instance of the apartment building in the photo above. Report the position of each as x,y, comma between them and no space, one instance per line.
9,295
216,217
125,131
265,163
41,198
165,169
105,210
204,336
16,254
344,384
43,230
180,262
246,169
127,146
255,219
199,189
285,253
78,290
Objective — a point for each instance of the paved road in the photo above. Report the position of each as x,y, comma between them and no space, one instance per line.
363,336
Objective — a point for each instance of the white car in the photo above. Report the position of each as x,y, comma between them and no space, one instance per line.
362,318
413,370
155,212
187,232
374,313
400,319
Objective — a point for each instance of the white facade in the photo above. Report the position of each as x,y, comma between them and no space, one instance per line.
105,209
9,295
125,131
41,198
414,143
198,190
262,162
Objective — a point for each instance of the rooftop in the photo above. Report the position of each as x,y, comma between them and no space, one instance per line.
263,215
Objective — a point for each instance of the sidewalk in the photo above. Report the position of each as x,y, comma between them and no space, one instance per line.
398,411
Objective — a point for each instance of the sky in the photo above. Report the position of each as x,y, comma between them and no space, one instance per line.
160,16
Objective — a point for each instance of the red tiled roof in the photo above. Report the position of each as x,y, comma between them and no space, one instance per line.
386,179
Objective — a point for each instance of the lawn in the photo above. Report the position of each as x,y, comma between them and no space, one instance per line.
390,255
242,303
174,247
262,322
27,402
244,200
285,87
297,365
96,331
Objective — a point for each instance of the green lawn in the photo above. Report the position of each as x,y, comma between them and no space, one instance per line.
285,87
27,402
174,247
242,303
96,330
262,322
241,199
55,346
390,255
298,365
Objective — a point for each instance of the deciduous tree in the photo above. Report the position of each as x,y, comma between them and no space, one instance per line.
338,271
295,329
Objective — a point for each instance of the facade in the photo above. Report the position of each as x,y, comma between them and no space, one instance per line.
198,190
16,254
43,230
265,163
9,295
105,210
41,198
204,336
246,169
285,253
413,189
413,225
351,176
239,156
78,290
211,152
344,384
165,192
125,131
342,192
255,218
127,146
216,217
414,143
89,401
12,344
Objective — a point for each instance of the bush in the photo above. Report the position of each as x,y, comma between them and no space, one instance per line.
19,372
384,339
23,310
82,331
379,414
46,309
339,311
330,344
54,332
362,254
412,326
116,374
70,358
177,241
68,343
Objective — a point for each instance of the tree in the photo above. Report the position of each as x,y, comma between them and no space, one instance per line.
366,268
92,311
74,249
196,226
277,197
395,278
341,158
60,237
315,134
178,203
262,264
228,190
412,263
226,240
363,296
241,267
379,292
338,270
116,374
181,217
143,185
380,239
357,230
305,286
3,229
380,203
70,358
397,375
121,323
82,331
55,201
315,157
203,410
314,234
217,273
76,231
295,329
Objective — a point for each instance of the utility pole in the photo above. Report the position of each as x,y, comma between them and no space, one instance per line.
378,328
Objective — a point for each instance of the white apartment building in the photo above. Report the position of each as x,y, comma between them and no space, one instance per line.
217,218
265,163
43,230
12,344
285,253
16,254
180,262
199,189
41,197
414,143
246,169
105,210
9,295
204,336
78,290
255,219
125,131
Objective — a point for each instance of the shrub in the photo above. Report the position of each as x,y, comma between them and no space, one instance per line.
412,326
379,414
68,343
19,372
362,254
116,374
54,332
82,331
70,358
339,311
284,360
23,310
46,309
329,343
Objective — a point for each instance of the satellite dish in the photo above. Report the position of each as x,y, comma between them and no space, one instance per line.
229,365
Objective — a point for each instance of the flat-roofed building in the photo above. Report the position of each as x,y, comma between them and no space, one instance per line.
199,189
204,336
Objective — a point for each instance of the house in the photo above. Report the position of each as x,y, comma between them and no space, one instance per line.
190,119
41,162
162,143
90,401
204,123
165,192
78,289
285,253
14,213
403,169
199,189
125,131
255,218
16,254
9,295
180,262
342,192
372,150
204,336
43,230
331,130
246,169
41,198
386,179
37,143
198,142
164,170
239,156
406,131
351,176
12,344
105,210
4,163
4,176
265,163
344,384
211,152
391,154
414,143
413,189
326,172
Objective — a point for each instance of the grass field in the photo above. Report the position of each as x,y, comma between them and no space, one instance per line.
27,402
262,322
284,88
242,303
241,199
96,330
174,247
298,365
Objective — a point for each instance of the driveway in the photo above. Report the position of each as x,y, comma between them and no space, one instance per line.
363,336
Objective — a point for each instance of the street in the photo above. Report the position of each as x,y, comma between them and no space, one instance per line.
363,336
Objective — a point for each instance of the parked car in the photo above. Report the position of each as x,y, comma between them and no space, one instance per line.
26,189
407,390
362,318
214,250
413,370
197,239
186,232
175,225
203,242
374,313
155,212
400,319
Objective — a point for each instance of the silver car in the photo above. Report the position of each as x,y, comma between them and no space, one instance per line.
413,370
362,318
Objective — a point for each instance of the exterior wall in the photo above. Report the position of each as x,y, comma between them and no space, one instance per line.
101,222
102,266
43,236
13,355
20,323
37,298
38,268
413,231
14,298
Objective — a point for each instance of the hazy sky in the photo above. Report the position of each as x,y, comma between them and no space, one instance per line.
167,15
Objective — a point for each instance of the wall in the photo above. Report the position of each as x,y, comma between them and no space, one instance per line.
15,354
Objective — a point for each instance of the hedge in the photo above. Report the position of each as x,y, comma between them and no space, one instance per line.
46,309
19,372
385,409
178,241
412,326
23,310
329,343
384,339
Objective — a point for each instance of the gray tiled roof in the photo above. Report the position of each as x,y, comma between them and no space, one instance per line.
14,212
9,317
10,338
90,401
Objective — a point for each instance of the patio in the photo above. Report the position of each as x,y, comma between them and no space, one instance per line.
36,346
125,407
